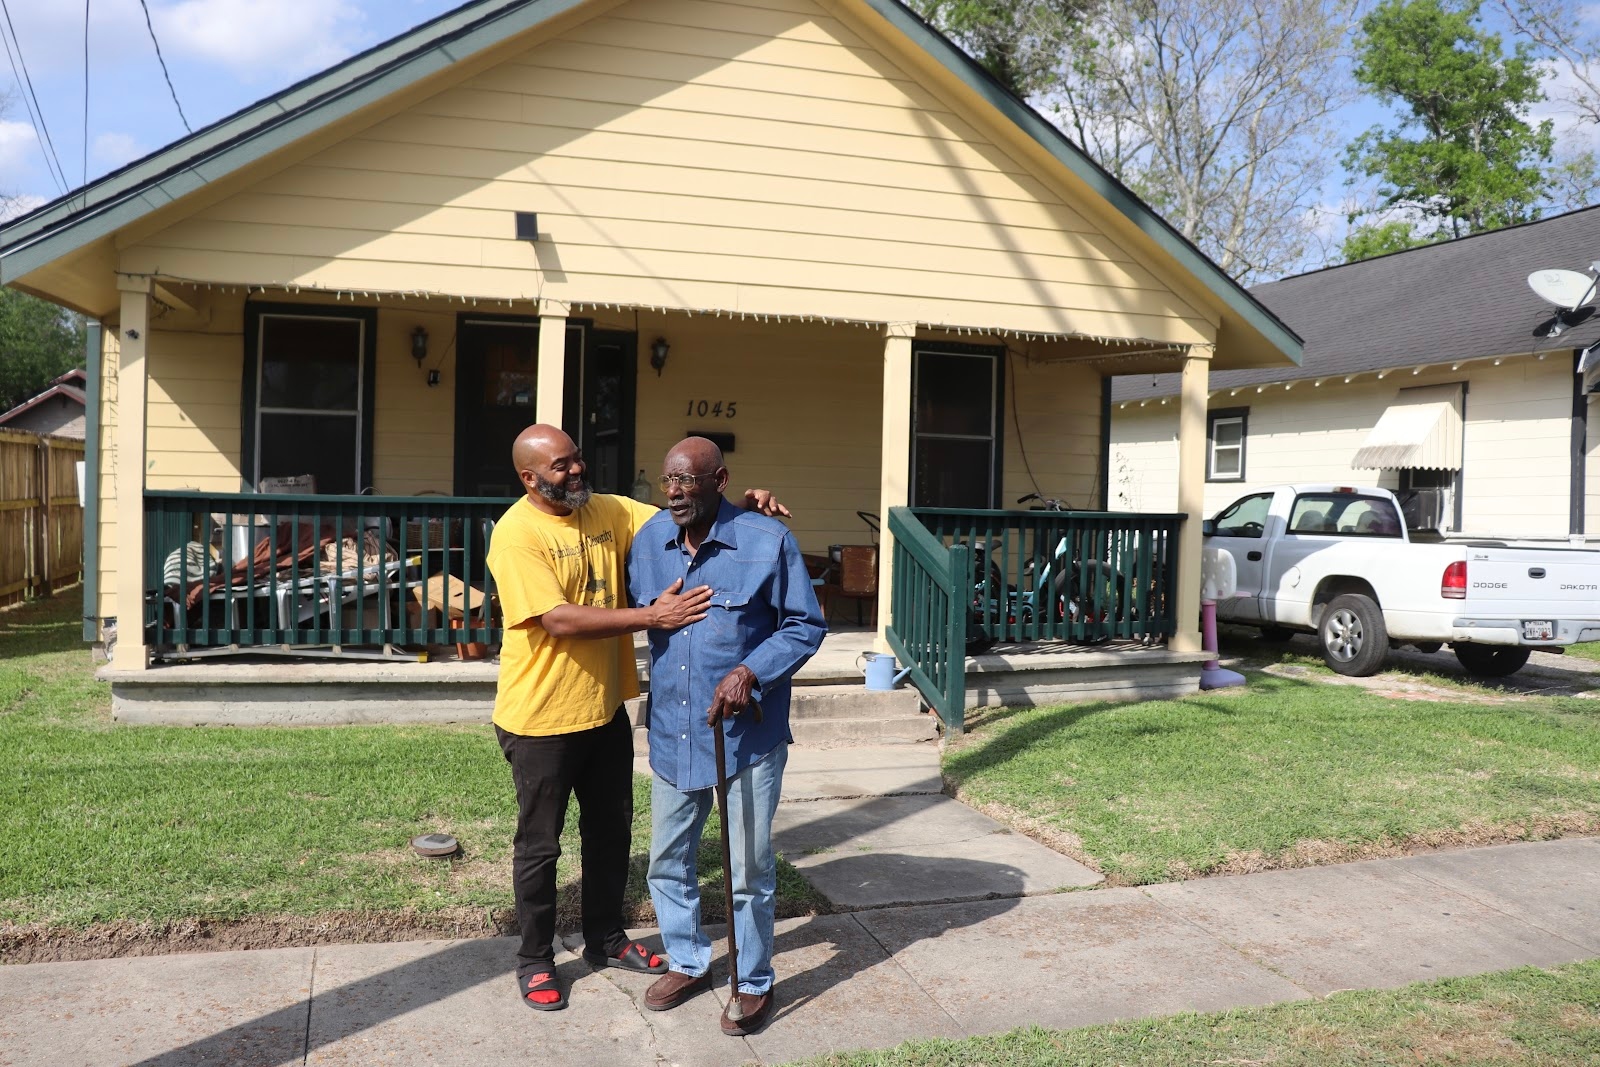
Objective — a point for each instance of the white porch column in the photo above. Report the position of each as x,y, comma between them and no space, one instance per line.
1191,494
894,486
550,394
131,654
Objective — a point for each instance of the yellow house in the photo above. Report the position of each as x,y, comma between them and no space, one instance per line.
812,226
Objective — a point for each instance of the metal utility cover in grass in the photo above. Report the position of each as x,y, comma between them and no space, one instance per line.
434,845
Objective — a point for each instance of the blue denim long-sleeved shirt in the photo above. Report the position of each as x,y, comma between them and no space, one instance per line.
763,614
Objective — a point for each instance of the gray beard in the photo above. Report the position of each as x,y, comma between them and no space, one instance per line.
559,495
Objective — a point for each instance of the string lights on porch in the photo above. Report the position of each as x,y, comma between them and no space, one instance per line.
1149,346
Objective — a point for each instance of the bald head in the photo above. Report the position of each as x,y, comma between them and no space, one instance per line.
701,455
551,469
538,445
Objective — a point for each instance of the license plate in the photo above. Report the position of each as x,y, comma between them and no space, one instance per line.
1538,631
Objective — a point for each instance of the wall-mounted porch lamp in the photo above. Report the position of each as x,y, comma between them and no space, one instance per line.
658,354
419,352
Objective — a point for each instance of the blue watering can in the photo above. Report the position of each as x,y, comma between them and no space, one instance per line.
880,670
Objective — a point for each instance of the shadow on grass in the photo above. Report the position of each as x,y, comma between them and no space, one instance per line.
1436,668
39,627
966,762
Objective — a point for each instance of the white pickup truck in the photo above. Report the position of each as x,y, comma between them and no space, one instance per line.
1337,561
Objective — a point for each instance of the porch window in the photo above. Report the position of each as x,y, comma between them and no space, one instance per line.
955,430
308,395
1225,436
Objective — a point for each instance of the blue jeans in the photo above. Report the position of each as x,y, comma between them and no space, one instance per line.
676,820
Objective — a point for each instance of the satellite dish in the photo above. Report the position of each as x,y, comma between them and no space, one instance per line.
1562,320
1563,288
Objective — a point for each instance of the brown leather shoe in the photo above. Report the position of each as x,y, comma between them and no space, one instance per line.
756,1008
673,988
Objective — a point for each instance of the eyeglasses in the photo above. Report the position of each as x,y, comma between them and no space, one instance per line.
682,481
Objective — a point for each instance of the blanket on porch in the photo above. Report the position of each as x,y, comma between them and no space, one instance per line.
298,545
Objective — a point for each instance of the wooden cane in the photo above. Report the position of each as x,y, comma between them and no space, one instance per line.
727,877
735,1012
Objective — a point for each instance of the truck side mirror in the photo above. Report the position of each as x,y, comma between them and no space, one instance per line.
1208,527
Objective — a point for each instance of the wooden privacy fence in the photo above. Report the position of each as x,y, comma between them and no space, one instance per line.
41,522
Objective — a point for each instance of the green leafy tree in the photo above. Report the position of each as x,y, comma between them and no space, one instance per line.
1381,238
1020,42
38,341
1464,156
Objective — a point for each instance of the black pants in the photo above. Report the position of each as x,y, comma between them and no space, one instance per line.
597,765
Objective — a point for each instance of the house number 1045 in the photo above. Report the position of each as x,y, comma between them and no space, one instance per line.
713,409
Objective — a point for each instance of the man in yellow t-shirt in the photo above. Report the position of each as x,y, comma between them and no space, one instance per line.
566,666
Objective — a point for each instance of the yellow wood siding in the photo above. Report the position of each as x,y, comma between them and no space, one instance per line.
1052,432
413,432
809,402
690,154
196,366
1516,478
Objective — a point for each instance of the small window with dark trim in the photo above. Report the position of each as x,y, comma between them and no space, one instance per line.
1225,436
955,429
308,396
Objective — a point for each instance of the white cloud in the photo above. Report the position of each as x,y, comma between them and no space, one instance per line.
261,38
115,149
13,206
17,142
1559,85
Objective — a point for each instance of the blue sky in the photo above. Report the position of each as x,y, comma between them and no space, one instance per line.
223,55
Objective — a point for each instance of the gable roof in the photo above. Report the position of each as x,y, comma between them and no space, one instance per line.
1461,299
70,392
122,197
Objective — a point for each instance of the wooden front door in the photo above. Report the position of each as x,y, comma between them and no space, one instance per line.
496,387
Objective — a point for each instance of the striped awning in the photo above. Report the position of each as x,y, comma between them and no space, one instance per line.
1421,430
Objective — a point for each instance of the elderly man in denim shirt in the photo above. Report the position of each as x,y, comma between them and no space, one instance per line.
762,624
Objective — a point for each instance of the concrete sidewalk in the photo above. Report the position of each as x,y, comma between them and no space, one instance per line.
961,931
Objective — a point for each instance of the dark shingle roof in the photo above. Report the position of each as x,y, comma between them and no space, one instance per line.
1458,300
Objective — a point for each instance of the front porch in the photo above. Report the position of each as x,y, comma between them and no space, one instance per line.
830,704
983,607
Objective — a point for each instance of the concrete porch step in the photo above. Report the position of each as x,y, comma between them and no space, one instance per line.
837,714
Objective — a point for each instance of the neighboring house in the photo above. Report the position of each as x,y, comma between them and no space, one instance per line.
1423,372
57,409
812,226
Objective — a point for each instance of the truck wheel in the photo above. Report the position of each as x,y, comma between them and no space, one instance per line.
1491,661
1354,638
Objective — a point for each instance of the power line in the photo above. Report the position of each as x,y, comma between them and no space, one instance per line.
35,112
86,94
149,26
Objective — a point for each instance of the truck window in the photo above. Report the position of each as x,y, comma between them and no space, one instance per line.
1344,514
1245,517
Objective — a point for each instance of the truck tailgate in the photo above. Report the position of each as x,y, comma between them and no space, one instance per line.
1534,582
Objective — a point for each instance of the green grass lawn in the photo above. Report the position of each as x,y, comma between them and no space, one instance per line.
1528,1016
1286,768
1589,650
114,822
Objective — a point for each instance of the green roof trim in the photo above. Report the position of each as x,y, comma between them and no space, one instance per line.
124,196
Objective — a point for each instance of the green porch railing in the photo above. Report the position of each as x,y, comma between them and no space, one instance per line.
1072,576
257,570
928,615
